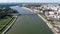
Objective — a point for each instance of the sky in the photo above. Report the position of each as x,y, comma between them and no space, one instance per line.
29,1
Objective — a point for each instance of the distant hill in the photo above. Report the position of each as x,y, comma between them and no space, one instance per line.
20,4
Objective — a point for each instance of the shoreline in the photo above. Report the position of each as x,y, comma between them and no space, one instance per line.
9,26
28,9
47,23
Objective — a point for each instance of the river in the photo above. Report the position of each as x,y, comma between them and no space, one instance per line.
29,24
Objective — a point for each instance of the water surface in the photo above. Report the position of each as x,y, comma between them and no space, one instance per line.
29,24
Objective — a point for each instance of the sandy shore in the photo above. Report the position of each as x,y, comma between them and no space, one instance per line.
28,9
31,10
49,25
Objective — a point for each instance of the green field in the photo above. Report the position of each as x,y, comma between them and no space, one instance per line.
4,23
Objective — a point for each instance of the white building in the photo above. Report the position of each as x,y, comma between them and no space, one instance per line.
51,12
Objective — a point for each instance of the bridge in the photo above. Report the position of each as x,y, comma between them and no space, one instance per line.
18,14
18,9
24,11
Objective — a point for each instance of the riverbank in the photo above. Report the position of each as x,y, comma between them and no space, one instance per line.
47,22
49,25
30,24
10,25
28,9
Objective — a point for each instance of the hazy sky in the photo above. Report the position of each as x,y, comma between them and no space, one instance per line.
28,1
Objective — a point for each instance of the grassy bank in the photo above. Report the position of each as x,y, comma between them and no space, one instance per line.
4,23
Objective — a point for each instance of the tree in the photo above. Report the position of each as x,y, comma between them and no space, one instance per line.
5,11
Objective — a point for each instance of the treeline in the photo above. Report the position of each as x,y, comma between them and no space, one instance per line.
5,11
28,6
